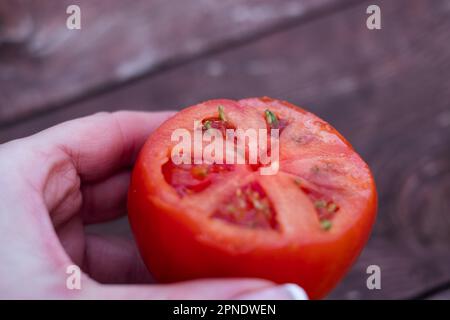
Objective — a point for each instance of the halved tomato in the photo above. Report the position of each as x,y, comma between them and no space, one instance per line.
306,224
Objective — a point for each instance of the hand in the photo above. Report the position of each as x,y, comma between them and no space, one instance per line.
58,181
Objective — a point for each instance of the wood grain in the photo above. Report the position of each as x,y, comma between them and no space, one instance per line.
387,91
43,64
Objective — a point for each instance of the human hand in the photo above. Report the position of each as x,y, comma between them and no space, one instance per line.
58,181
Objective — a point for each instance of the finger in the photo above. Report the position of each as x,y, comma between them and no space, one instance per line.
112,259
100,144
289,291
215,289
116,260
105,200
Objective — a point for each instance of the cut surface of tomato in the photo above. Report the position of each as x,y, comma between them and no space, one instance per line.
306,223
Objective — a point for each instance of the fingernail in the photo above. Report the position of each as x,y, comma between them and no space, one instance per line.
289,291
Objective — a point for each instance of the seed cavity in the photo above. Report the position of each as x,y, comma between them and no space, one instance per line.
326,208
248,207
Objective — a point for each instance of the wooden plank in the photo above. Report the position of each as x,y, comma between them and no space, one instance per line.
43,64
405,273
444,295
387,91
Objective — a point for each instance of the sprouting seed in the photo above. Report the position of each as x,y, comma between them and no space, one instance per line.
271,118
207,124
332,207
221,113
320,204
325,224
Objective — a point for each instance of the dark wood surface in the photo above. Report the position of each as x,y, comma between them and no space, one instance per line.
44,65
387,91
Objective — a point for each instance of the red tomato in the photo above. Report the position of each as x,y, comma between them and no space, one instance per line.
306,224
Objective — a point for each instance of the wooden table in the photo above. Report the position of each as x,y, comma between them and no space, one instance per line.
387,91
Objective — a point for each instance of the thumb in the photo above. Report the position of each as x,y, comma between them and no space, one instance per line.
211,289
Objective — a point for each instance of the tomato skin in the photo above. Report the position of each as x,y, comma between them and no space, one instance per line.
177,245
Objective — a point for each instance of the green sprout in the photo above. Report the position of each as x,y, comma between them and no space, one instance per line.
325,224
271,118
207,125
221,113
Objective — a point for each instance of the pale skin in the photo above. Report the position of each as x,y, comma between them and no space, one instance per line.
62,179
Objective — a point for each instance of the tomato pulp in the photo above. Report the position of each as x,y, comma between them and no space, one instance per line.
306,224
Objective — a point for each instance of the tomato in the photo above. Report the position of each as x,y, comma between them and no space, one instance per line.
306,224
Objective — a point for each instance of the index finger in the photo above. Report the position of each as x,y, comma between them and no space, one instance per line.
101,144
